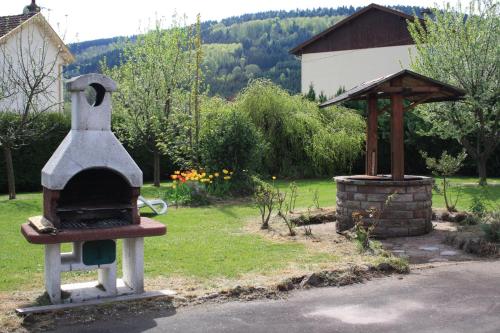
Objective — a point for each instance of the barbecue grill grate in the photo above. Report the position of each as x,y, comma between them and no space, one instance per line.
95,223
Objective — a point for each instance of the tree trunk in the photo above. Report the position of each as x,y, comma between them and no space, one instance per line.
9,166
156,168
481,169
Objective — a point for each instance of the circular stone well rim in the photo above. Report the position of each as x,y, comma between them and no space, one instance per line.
412,180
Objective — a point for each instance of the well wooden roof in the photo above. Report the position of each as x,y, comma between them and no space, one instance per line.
413,86
346,24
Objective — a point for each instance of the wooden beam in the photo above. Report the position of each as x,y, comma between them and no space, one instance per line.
406,90
397,138
371,137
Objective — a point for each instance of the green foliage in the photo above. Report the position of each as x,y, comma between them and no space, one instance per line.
311,94
302,139
446,166
461,46
365,222
491,227
230,140
477,206
29,159
265,198
157,94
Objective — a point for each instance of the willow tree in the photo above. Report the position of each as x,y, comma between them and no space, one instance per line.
461,46
154,86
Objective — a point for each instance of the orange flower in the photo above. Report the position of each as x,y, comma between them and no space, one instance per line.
173,176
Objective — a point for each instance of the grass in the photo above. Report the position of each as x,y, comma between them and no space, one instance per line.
205,243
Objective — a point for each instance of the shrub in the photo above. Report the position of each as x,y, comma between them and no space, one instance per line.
29,159
230,140
302,139
491,226
265,198
444,167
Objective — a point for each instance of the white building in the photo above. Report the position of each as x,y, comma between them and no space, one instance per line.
371,43
29,46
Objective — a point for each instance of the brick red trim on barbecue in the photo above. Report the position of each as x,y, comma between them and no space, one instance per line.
146,228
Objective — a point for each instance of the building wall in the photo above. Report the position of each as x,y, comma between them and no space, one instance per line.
328,71
32,43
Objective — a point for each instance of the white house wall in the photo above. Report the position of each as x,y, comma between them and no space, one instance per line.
32,40
328,71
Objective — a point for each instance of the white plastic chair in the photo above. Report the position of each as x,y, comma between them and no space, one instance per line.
142,202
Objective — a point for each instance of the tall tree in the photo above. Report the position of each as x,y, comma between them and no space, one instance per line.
154,80
461,46
29,77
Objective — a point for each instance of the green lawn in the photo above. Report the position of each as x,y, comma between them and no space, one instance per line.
202,243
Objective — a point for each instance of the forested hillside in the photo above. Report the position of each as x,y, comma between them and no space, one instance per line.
237,49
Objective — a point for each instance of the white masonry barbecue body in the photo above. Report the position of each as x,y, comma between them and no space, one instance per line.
91,144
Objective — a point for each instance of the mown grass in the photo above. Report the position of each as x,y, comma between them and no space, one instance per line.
202,243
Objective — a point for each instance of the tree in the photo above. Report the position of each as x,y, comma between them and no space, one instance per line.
154,95
462,47
29,75
311,94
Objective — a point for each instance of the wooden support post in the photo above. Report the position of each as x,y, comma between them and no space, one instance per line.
397,138
371,137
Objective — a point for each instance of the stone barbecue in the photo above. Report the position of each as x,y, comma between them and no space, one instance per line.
404,202
90,191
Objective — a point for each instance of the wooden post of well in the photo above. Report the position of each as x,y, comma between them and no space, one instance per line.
371,137
397,138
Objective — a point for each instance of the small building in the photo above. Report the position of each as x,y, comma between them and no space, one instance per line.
28,40
371,43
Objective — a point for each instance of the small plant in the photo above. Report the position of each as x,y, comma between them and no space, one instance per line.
363,230
316,198
292,197
265,198
194,186
284,209
445,167
491,226
307,226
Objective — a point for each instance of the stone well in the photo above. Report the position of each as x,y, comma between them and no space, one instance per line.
408,214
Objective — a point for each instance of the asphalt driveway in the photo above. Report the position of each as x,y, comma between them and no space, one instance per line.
462,297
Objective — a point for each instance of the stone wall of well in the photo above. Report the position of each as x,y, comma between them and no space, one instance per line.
409,213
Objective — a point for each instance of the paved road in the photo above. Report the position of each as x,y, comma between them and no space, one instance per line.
454,298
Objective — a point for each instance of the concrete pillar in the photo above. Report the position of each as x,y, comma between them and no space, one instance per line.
133,263
53,272
107,278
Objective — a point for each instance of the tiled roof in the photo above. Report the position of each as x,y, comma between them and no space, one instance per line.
8,23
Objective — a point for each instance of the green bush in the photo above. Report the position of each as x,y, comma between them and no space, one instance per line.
302,139
229,140
29,159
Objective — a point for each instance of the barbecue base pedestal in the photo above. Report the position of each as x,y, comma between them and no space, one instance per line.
95,253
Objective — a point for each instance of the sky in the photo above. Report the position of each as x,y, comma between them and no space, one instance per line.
83,20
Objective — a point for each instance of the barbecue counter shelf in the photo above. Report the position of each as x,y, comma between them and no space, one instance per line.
90,191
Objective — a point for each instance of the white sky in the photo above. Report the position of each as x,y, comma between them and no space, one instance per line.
92,19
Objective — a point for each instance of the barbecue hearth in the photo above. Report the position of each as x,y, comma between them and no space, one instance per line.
90,191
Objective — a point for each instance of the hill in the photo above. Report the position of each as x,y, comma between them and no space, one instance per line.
237,49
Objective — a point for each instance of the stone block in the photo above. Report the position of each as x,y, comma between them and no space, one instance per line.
421,196
377,197
340,187
416,189
359,196
403,198
351,188
353,204
397,214
371,204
